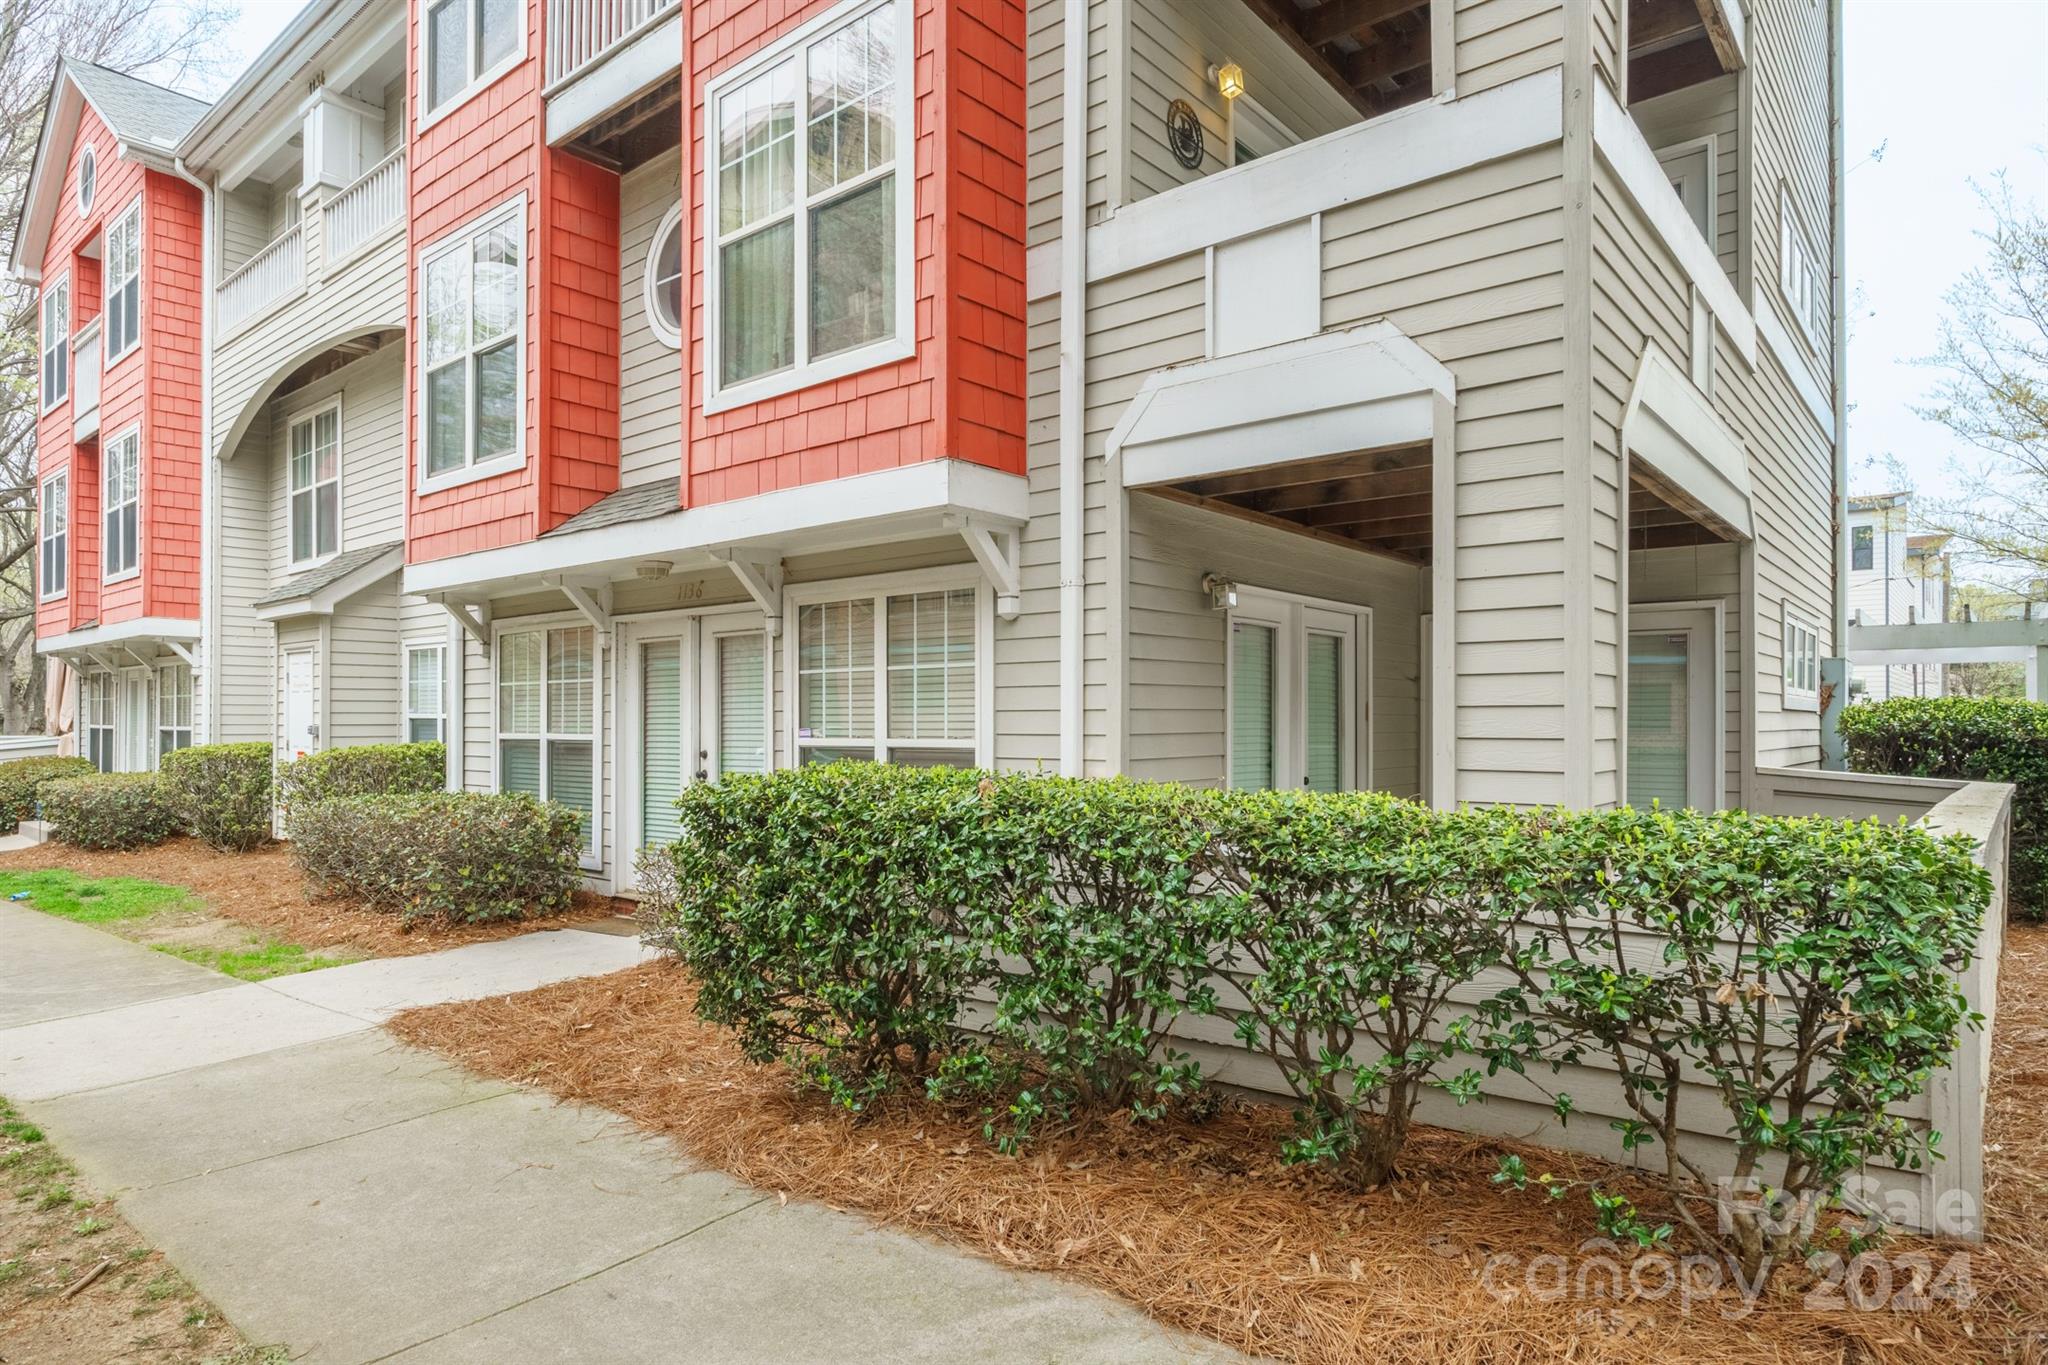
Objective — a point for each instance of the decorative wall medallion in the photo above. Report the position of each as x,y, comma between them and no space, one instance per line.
1184,134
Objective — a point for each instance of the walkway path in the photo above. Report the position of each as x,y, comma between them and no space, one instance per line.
358,1200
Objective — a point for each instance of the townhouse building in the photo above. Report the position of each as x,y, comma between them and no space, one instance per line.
1896,578
1439,396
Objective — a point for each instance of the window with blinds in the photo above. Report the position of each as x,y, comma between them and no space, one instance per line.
425,692
547,719
661,739
742,705
1253,695
1323,713
1657,720
920,707
1296,714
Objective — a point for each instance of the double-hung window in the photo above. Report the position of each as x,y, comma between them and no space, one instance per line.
120,501
98,706
1297,714
468,42
1802,662
1862,547
121,263
1801,278
547,720
891,676
316,484
173,708
56,343
55,513
810,272
473,300
425,692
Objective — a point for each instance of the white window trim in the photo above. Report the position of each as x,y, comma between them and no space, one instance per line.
1814,287
44,535
423,482
900,346
671,337
306,418
60,285
406,715
479,81
108,285
881,586
1704,621
1797,697
107,450
88,179
162,696
1287,613
591,856
88,685
1709,149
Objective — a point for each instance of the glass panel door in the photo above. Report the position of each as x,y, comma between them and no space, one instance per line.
1254,659
661,739
1323,713
1659,712
736,697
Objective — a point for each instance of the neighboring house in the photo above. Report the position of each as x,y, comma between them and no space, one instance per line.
1896,578
1436,397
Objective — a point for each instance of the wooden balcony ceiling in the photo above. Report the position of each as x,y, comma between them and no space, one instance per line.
1654,524
1374,52
1376,500
1676,43
647,126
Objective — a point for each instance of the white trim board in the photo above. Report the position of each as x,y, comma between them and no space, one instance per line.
1671,427
164,628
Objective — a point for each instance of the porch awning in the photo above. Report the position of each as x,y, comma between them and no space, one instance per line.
1683,451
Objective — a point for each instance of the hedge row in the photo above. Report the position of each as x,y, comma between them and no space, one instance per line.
1976,739
459,857
221,793
361,770
109,811
842,918
22,781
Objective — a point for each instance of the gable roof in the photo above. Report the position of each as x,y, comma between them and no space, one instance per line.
147,119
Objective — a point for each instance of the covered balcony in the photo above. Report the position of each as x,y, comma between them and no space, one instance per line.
612,77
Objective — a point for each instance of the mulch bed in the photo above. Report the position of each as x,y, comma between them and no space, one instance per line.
264,890
1200,1225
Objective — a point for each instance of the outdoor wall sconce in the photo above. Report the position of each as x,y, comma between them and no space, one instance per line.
1222,592
1229,79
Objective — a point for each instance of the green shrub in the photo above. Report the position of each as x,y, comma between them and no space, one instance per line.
22,781
221,793
816,907
460,857
1974,739
361,770
109,811
1806,979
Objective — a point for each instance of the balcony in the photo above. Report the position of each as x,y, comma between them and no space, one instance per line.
582,33
86,364
273,274
364,211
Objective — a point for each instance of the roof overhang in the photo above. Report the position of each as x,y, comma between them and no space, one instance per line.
323,600
104,644
66,102
1683,450
929,498
1359,389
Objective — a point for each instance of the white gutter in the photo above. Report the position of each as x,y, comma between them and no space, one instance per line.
206,675
1073,389
1837,146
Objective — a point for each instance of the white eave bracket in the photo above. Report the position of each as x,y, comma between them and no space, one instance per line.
763,581
179,648
593,602
999,552
474,620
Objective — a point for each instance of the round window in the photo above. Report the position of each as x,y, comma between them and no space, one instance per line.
88,171
665,279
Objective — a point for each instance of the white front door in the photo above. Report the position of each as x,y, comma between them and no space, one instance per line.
301,729
137,746
1674,753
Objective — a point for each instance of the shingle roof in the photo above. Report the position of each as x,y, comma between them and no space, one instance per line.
138,110
325,575
637,503
1927,544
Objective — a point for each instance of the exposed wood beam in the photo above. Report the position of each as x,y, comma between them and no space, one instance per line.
1379,460
1363,488
1652,23
1388,57
1230,509
1284,19
1334,19
1358,513
1672,68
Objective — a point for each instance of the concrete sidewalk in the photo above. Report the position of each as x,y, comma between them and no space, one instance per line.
358,1200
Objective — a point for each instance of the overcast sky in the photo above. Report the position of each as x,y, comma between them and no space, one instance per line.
1953,90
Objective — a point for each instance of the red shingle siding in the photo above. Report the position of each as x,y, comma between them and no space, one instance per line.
579,336
962,394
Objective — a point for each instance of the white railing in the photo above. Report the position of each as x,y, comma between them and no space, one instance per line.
360,212
582,31
271,274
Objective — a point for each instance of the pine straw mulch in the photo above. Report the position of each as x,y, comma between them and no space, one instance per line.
1200,1225
264,890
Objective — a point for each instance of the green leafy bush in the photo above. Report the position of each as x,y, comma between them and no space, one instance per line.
817,909
1975,739
1806,978
361,770
22,781
221,793
461,857
1358,916
109,811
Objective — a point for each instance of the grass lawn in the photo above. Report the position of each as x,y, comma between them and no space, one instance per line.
169,919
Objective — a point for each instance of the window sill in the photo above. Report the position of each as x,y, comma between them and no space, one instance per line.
1799,703
57,596
59,401
456,478
841,366
122,577
114,360
484,81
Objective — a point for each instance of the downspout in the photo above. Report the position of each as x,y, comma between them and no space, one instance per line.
208,672
1833,755
1073,392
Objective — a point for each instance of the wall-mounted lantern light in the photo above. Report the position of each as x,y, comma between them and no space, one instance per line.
1229,79
1222,592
